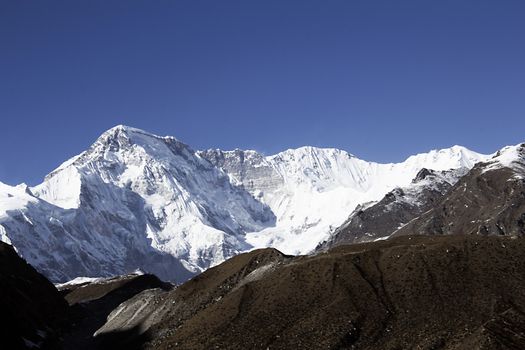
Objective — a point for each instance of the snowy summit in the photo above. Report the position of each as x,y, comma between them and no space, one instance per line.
134,200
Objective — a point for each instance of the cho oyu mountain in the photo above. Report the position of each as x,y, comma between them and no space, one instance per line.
134,200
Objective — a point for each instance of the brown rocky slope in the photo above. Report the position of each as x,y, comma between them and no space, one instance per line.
490,199
420,292
379,220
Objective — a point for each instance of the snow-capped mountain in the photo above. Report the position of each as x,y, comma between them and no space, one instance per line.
134,200
510,157
313,190
378,220
489,199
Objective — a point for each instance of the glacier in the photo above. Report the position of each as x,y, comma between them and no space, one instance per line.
312,190
134,200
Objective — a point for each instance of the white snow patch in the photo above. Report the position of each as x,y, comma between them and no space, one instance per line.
512,157
79,280
61,188
321,186
257,274
14,199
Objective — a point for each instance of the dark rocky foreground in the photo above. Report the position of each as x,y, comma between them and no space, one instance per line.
409,292
420,292
91,303
32,312
35,315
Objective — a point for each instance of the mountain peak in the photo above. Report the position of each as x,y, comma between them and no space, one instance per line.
120,130
122,127
311,152
512,157
118,136
130,133
447,158
123,130
133,198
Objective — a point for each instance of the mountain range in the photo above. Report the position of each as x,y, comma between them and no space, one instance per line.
138,201
426,253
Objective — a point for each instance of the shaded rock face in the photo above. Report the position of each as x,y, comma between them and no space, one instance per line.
398,207
250,168
34,314
131,201
92,302
153,314
487,201
425,292
32,310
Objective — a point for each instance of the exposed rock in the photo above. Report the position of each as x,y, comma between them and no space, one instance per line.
420,292
379,220
32,310
92,302
489,200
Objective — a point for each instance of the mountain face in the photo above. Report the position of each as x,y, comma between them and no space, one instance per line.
417,292
490,199
312,190
134,200
378,220
92,300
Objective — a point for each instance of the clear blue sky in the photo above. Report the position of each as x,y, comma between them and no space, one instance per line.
380,79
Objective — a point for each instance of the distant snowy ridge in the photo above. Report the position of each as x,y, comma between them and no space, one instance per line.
512,157
488,200
313,190
135,200
378,220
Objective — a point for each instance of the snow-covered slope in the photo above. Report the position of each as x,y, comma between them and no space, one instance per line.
313,190
488,200
134,200
378,220
512,157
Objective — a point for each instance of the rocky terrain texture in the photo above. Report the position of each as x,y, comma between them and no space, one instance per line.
37,315
378,220
406,292
166,312
91,303
490,199
417,292
32,310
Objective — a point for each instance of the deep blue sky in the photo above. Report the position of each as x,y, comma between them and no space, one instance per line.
381,79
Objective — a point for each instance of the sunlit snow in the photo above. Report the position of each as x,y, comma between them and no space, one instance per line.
137,200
